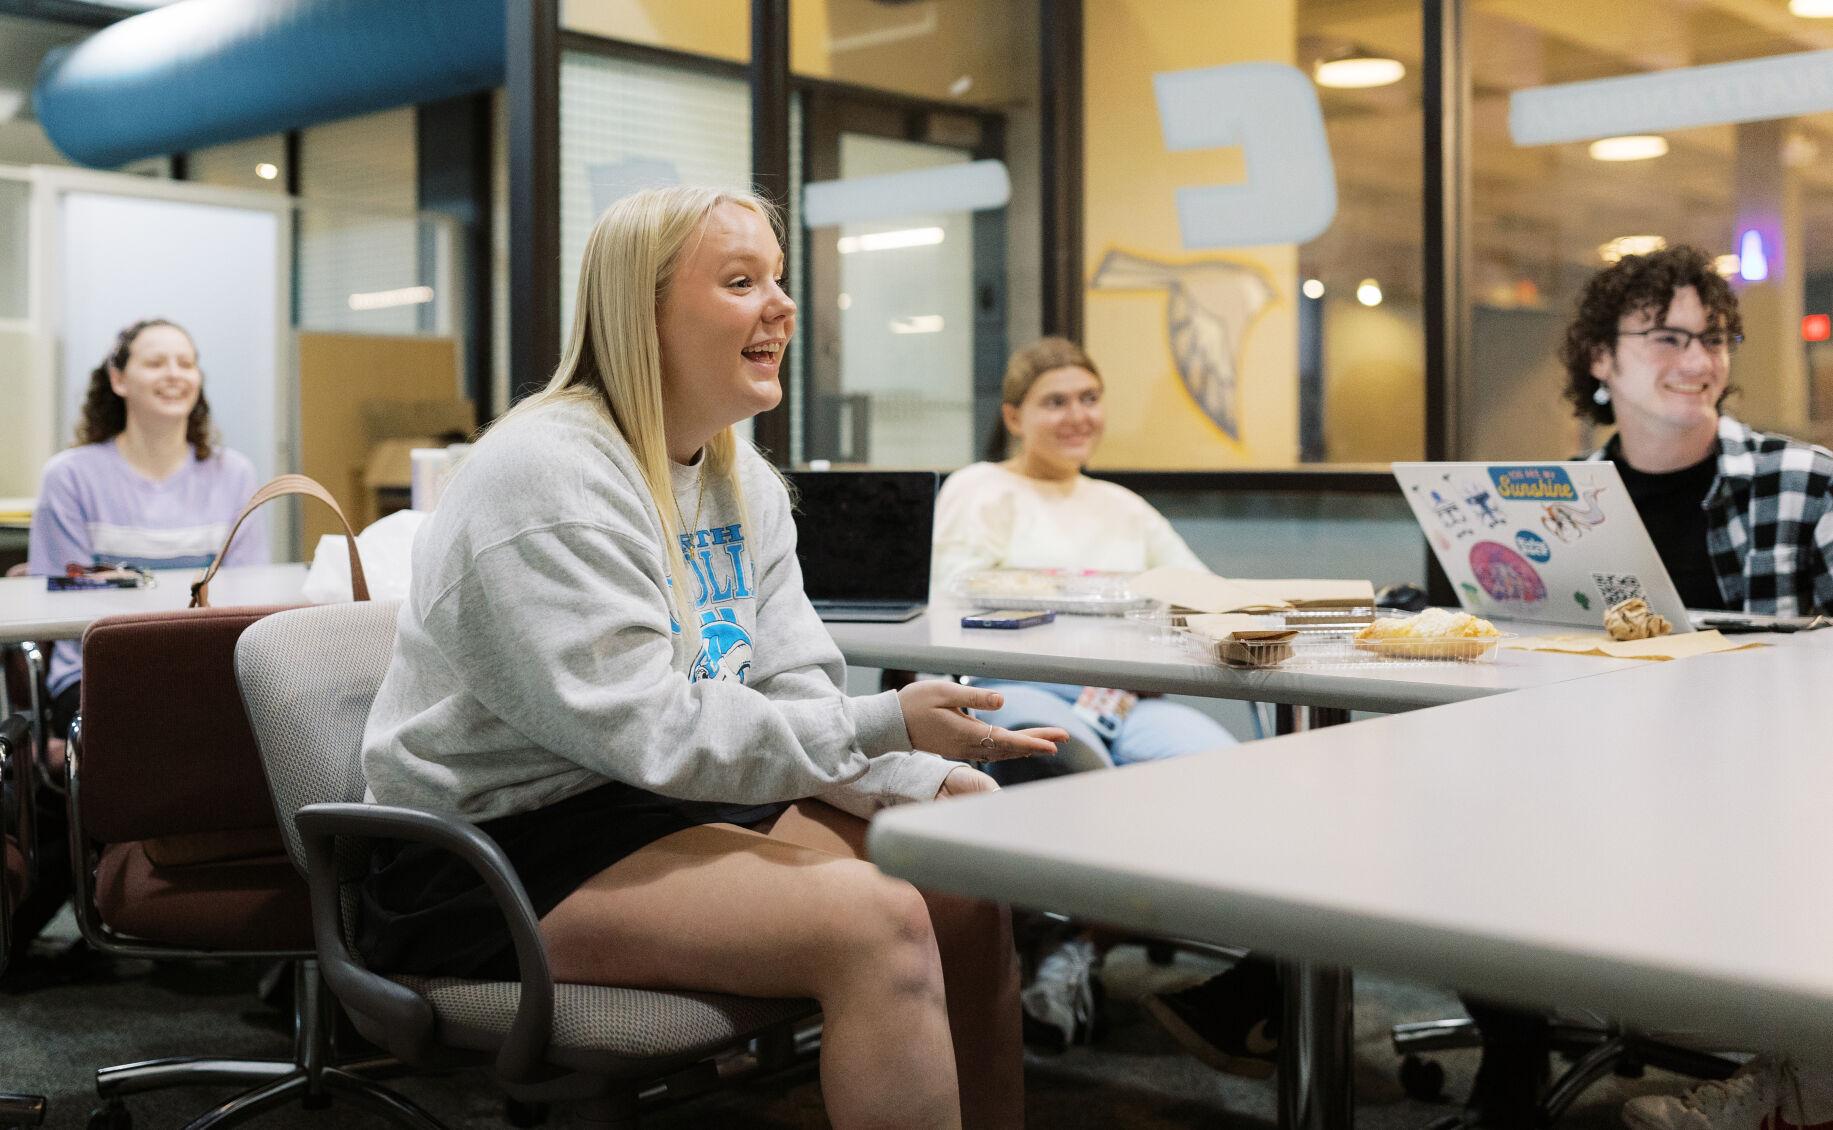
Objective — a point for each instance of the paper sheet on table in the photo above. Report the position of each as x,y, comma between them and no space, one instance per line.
1661,647
1206,592
1236,626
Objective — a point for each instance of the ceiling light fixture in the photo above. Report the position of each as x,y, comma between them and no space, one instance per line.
890,240
388,299
267,170
1630,245
1368,293
1357,69
1726,265
917,324
1314,288
1631,147
1811,9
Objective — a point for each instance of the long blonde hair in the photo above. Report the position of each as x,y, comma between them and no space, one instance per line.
613,355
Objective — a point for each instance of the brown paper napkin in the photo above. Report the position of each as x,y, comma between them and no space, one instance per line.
1661,647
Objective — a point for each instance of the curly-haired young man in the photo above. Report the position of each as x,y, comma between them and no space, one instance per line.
1742,519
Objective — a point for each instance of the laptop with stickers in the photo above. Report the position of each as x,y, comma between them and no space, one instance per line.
1552,542
863,540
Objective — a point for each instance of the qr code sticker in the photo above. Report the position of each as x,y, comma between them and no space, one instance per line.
1616,588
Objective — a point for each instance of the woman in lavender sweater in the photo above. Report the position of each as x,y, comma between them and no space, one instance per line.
147,485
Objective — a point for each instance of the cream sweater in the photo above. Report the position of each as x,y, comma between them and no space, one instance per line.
990,518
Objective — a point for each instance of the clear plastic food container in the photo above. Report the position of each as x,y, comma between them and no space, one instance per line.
1061,590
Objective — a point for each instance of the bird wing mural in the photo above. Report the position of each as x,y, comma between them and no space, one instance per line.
1208,309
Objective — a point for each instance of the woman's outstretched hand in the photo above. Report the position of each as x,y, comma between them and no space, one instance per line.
935,713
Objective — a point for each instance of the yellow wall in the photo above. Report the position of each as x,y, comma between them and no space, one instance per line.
1374,384
23,446
338,375
1131,185
720,28
917,49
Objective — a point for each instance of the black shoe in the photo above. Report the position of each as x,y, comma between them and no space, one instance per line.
1230,1022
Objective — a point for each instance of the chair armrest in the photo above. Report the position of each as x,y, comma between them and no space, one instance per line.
16,768
41,716
15,738
524,1048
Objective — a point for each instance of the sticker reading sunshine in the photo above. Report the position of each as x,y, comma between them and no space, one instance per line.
1533,484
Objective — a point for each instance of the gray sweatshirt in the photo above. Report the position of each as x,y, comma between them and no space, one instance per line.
537,654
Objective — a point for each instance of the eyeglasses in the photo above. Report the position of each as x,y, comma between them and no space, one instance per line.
1669,341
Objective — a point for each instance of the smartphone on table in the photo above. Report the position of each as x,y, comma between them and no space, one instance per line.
1008,618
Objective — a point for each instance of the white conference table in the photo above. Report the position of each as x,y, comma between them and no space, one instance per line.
1113,651
1651,842
28,611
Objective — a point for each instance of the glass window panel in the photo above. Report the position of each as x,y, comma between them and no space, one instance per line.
626,125
1545,216
257,163
1221,356
968,51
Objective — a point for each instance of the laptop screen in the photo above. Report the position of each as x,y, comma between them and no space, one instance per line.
864,535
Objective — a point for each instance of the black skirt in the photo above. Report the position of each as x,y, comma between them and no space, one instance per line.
422,910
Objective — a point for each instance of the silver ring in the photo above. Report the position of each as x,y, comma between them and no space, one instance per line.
987,742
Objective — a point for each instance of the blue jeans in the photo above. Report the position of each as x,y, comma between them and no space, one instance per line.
1152,730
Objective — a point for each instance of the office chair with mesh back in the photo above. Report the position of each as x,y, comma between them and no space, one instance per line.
176,855
308,677
15,766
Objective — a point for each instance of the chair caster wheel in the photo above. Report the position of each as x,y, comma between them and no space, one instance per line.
518,1113
1422,1079
111,1116
1161,953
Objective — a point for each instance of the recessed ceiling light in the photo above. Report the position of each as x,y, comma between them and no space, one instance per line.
267,170
1726,265
961,85
1811,9
1358,70
1368,293
1314,288
1632,147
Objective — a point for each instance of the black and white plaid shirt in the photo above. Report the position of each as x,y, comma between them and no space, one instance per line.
1769,522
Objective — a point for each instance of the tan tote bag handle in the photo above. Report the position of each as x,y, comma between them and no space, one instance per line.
278,488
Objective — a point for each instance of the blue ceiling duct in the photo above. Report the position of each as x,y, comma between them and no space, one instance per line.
204,72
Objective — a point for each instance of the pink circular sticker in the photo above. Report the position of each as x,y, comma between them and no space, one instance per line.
1506,575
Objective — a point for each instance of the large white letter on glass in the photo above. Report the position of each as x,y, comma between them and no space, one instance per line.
1271,111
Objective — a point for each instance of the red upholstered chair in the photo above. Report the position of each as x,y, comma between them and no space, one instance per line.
15,766
177,854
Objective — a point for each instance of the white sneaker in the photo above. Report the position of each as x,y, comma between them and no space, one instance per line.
1062,997
1742,1102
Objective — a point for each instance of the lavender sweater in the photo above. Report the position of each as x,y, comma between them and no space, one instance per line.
93,507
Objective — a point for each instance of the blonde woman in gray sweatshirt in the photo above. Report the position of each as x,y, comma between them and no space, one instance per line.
607,662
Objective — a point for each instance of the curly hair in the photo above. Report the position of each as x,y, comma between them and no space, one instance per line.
1025,366
1637,284
105,412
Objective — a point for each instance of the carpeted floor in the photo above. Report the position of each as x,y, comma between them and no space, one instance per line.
58,1025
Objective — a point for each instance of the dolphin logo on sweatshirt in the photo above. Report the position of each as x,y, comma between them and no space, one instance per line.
725,648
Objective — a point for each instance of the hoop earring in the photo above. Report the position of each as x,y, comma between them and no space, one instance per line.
1601,396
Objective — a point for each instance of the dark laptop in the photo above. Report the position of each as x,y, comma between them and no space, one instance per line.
863,540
